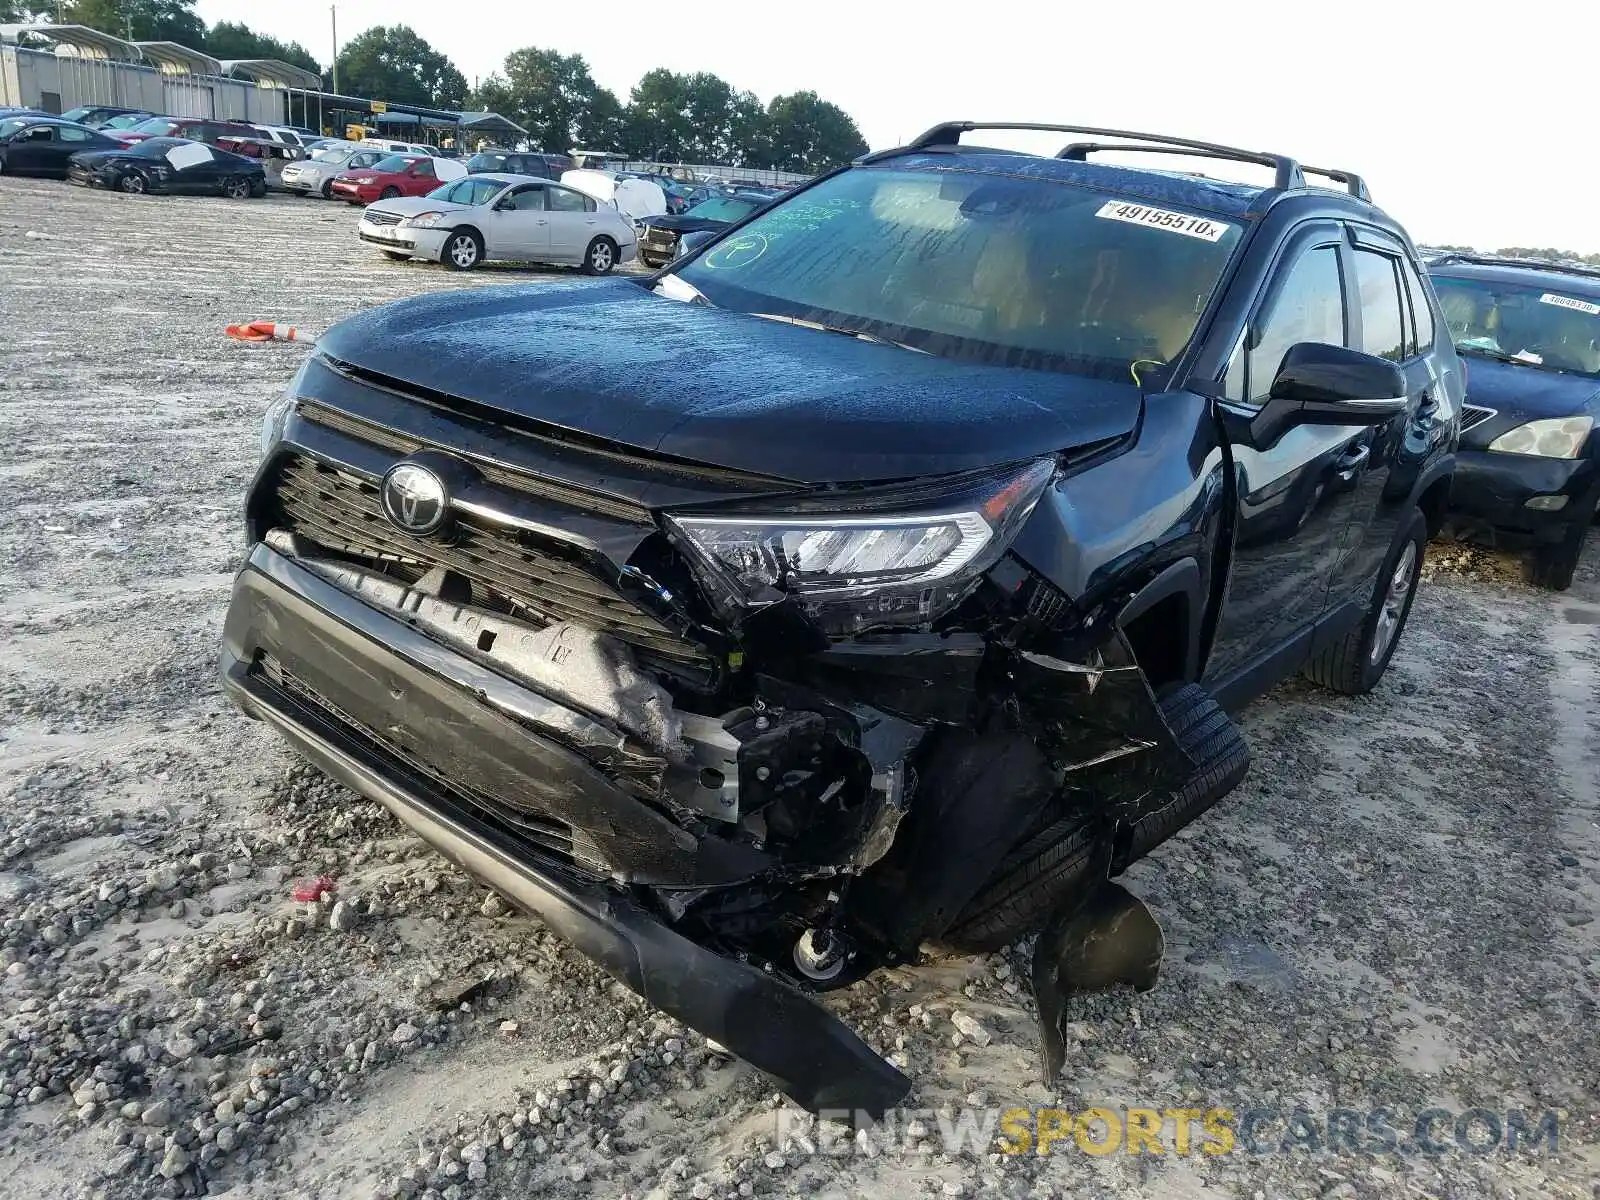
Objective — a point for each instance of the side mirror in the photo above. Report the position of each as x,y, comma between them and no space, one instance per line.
1319,384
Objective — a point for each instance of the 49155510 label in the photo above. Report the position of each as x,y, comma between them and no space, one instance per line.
1160,218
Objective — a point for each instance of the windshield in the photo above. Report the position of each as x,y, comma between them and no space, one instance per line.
157,147
723,208
1553,330
394,162
125,121
488,162
336,154
155,125
76,114
1016,272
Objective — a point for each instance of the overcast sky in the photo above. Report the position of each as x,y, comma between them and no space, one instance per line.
1463,136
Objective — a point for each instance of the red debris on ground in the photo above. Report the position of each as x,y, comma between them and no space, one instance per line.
312,890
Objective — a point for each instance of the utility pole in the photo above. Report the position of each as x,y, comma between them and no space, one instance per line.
333,16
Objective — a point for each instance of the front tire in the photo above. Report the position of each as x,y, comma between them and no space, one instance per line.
1067,858
463,250
600,257
389,193
133,182
327,190
1354,664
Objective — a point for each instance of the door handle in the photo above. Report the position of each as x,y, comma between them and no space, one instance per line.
541,221
1349,464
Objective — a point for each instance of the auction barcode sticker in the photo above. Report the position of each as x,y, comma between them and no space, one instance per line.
1161,218
1568,302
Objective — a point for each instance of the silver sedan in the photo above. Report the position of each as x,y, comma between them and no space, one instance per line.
508,218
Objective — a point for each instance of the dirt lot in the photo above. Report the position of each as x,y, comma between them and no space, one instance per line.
1396,910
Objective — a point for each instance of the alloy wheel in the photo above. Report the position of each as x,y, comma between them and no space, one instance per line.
132,182
600,257
1394,602
463,251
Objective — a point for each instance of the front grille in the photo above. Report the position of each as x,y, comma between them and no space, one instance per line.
544,831
1472,414
517,481
539,579
380,218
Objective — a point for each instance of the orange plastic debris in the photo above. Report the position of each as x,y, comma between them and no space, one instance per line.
268,331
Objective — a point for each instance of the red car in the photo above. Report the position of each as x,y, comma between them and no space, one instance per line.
196,129
397,175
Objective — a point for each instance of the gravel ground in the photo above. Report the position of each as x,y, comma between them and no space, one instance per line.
1395,910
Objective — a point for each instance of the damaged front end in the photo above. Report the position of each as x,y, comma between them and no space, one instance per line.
768,753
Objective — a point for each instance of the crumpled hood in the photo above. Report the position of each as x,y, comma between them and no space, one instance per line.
684,223
410,206
610,359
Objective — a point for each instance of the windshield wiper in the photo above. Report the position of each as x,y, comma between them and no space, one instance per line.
861,335
1498,355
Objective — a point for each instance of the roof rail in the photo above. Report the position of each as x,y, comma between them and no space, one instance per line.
1508,260
1288,174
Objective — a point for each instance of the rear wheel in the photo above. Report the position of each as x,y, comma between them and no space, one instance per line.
600,257
237,188
463,250
1354,664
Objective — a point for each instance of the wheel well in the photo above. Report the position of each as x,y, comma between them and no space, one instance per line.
1433,501
1160,639
472,229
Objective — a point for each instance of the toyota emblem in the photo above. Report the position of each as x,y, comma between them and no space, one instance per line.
414,498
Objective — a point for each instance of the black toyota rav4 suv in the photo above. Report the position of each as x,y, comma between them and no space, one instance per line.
879,576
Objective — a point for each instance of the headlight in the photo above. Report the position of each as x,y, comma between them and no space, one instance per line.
277,414
886,557
1554,437
365,179
424,219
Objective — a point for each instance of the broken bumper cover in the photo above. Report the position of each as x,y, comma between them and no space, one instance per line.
816,1059
1492,493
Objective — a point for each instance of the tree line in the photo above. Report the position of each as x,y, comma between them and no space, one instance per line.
668,117
1544,254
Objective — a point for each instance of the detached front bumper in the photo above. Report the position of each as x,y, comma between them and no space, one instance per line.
1491,492
364,688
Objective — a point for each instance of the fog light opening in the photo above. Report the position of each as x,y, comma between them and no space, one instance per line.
1546,503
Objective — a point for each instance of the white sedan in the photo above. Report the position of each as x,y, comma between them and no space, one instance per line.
507,218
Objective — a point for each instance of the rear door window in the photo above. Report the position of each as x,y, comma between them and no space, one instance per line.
566,200
1421,310
1383,315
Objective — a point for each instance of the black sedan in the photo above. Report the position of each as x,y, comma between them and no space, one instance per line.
659,243
43,145
170,165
